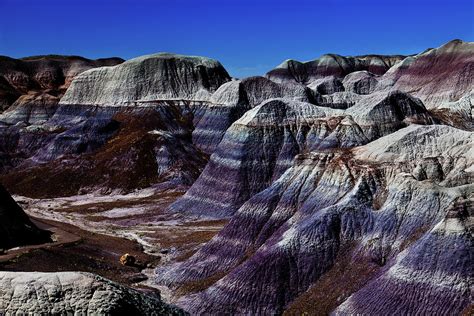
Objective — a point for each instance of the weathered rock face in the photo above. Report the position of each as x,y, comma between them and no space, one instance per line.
16,229
261,145
370,197
331,65
30,88
74,293
148,78
32,108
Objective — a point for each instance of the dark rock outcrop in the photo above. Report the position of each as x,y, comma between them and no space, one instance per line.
328,85
16,229
360,82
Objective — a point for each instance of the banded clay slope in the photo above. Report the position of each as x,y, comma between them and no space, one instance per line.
261,145
331,65
379,199
115,128
69,148
64,293
16,229
443,78
444,288
30,88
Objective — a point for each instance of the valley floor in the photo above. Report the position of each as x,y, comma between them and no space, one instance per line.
91,233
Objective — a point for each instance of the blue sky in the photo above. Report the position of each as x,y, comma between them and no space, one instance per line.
248,37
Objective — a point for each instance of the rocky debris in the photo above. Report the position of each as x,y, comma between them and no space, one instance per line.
74,293
331,65
31,87
261,145
16,229
295,228
127,260
137,278
148,78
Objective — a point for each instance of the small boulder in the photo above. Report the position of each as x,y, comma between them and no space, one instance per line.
127,260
